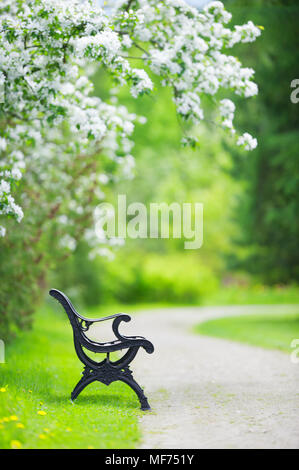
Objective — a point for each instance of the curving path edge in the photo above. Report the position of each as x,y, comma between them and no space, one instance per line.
212,393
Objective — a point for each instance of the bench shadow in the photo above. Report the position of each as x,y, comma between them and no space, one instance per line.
126,399
117,401
90,399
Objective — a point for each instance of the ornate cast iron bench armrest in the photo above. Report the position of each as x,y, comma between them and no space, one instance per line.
95,320
87,322
104,371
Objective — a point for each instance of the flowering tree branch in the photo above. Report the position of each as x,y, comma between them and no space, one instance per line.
45,47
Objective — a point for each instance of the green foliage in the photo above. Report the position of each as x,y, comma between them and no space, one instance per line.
82,278
269,331
148,270
268,209
246,293
144,277
175,278
250,200
32,249
41,370
22,277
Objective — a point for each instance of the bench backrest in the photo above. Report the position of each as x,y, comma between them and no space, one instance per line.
74,316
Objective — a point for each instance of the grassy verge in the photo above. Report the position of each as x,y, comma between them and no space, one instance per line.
40,371
268,331
254,295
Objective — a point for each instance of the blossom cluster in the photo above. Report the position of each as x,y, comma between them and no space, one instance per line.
188,49
45,51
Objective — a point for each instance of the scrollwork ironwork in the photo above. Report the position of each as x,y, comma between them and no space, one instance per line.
105,371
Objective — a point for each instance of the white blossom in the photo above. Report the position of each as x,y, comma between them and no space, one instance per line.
49,49
141,83
68,242
3,143
247,141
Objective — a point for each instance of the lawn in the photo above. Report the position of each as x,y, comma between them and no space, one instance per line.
257,294
41,370
268,331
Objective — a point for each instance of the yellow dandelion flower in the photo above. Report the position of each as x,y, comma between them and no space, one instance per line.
2,389
41,412
68,429
13,418
20,425
90,447
15,445
42,436
30,391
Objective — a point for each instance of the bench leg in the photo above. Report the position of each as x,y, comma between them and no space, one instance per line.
108,374
138,390
83,382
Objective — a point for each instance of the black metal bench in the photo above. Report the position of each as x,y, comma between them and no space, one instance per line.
105,371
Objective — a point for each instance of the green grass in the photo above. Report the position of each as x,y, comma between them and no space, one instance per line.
41,370
268,331
253,295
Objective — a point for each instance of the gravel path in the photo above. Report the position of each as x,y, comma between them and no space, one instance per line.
213,393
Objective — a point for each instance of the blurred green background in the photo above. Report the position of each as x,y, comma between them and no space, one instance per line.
249,255
251,201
